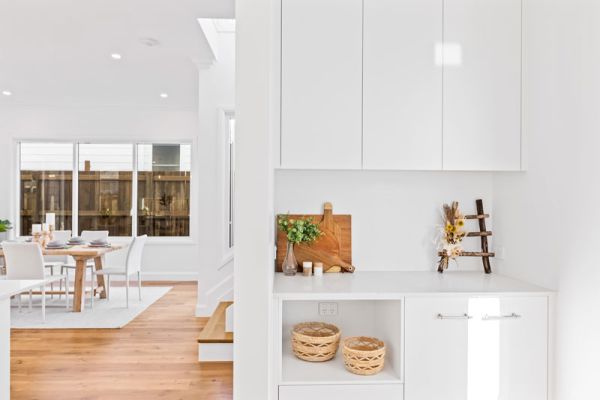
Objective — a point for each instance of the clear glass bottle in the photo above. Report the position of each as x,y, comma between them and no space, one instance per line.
290,264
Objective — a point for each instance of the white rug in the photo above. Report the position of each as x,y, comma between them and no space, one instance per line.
106,314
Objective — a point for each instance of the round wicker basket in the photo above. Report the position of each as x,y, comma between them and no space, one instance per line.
315,341
363,355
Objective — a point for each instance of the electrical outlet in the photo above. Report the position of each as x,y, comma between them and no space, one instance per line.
328,309
501,253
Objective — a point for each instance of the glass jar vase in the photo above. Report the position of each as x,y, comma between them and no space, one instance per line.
290,264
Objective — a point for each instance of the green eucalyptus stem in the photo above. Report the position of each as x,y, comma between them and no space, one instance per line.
299,230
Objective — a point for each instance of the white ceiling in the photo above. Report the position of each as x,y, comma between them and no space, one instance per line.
58,52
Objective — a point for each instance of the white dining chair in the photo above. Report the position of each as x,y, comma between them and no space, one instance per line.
87,237
133,265
52,262
25,261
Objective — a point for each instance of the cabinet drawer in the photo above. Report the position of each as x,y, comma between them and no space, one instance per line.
346,392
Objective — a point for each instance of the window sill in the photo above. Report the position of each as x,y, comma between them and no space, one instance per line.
164,240
160,240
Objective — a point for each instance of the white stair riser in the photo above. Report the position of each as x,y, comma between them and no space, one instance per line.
213,352
229,319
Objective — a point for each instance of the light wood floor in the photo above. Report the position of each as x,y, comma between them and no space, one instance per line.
154,357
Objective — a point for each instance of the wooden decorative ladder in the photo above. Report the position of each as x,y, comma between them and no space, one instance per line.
483,234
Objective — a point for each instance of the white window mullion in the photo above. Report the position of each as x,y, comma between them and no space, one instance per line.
75,191
134,194
17,219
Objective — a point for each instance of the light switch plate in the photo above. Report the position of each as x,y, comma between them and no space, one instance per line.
328,309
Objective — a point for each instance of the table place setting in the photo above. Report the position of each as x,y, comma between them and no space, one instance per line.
76,241
99,243
56,245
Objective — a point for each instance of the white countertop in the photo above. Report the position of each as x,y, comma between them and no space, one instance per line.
9,287
380,285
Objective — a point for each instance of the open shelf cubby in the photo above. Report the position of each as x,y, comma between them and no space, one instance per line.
378,318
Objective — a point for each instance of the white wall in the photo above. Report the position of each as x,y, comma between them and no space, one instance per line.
173,261
253,280
395,214
551,213
216,86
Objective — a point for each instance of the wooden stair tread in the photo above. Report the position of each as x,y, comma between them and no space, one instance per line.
214,331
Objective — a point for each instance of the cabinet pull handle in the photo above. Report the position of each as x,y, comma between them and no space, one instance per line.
463,316
499,317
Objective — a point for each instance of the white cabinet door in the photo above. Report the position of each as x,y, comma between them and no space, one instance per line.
497,352
482,85
345,392
524,348
436,348
507,348
321,84
402,127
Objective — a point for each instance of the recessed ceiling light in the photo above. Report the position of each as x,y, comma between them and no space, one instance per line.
7,92
164,95
116,56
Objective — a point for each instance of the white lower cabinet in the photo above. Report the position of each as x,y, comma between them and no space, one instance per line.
476,348
436,349
345,392
450,346
523,361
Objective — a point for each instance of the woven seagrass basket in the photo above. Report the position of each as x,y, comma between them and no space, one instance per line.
315,341
363,355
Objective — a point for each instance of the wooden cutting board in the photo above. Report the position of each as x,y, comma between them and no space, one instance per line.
336,241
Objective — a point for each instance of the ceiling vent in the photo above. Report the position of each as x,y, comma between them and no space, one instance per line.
150,42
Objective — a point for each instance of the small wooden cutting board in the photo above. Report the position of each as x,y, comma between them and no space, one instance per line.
334,247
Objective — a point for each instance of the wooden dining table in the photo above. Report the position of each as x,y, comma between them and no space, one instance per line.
82,254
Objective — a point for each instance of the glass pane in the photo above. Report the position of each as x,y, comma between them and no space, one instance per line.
46,184
231,177
105,188
164,189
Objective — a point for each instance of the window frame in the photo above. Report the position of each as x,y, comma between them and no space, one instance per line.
225,114
192,142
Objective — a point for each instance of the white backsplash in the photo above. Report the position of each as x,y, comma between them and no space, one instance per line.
395,214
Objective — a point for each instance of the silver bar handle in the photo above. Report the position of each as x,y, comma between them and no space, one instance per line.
500,317
462,316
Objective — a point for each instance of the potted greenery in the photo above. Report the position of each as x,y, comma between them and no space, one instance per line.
5,226
297,231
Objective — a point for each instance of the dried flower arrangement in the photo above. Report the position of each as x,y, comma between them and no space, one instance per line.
452,234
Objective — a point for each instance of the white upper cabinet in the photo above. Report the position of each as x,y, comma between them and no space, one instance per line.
321,84
482,85
401,84
402,124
